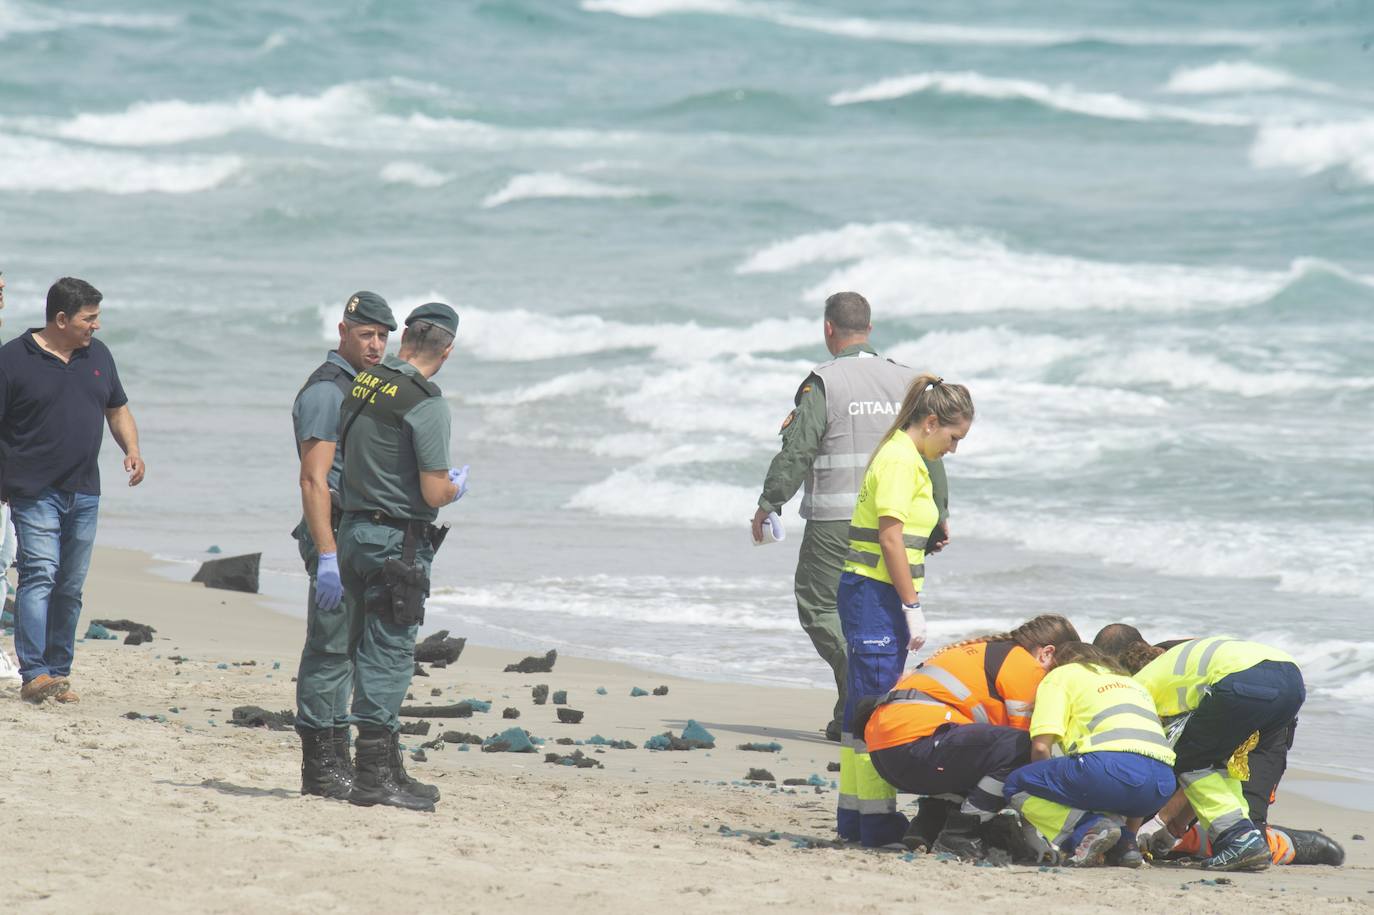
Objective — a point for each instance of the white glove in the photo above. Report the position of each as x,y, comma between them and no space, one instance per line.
772,530
916,625
1155,838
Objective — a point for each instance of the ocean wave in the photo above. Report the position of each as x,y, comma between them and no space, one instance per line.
29,164
1183,370
344,116
1313,148
990,351
18,17
1064,98
916,269
556,185
414,174
1240,76
906,31
639,493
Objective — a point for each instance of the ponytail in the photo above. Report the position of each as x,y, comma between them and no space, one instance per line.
929,395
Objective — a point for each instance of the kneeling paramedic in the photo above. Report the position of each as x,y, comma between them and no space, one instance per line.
394,432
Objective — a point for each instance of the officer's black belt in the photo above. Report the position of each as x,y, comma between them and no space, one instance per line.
413,528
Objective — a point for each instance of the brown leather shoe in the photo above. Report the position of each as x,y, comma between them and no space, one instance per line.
67,695
43,687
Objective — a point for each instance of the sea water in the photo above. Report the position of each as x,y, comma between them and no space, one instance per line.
1138,232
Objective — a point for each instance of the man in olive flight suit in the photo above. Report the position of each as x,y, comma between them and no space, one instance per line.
843,408
325,678
394,431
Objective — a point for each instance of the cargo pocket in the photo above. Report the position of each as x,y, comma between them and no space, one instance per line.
1254,691
875,662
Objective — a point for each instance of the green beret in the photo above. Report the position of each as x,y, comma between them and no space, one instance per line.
436,313
369,308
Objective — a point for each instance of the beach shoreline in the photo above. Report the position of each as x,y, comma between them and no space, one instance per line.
186,812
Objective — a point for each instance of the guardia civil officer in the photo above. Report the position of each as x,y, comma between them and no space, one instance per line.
325,678
394,432
843,409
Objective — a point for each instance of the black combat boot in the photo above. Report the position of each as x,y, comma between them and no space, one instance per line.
398,772
1013,835
961,837
1311,847
931,813
375,783
342,752
321,774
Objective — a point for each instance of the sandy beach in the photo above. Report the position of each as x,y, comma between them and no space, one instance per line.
186,813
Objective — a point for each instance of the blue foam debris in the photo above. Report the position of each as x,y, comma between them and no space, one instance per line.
214,548
560,697
478,705
659,742
637,692
771,747
834,784
597,740
462,748
97,631
694,731
511,740
221,666
276,665
816,780
601,690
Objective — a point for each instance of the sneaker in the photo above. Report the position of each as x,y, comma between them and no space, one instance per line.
1101,836
1009,832
42,687
1125,853
67,695
1248,851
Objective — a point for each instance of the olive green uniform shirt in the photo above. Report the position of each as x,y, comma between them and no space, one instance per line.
382,464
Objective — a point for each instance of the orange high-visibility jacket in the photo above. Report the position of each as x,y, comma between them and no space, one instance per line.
985,682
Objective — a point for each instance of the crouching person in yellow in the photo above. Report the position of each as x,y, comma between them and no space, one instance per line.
1230,689
1118,765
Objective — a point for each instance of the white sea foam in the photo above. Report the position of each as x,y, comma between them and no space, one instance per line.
1313,148
1183,370
1237,76
569,385
554,185
273,42
345,116
915,269
638,493
29,164
1060,98
19,17
414,174
990,351
918,32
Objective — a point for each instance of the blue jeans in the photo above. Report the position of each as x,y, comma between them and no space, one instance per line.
56,534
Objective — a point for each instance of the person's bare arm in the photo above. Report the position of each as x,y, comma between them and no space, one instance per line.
125,433
894,555
436,489
1042,746
316,458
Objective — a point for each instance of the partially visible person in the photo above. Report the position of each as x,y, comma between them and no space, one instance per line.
841,414
394,432
1116,771
325,678
956,726
1232,691
58,389
9,670
879,595
1286,846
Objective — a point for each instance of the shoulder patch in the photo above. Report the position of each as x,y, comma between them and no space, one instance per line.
787,422
806,389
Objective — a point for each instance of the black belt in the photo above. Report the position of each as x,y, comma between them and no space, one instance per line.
413,528
380,517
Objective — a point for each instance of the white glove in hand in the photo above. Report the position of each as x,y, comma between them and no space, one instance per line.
916,625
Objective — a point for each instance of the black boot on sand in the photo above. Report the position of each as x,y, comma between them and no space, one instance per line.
398,772
342,753
375,783
931,813
961,837
321,774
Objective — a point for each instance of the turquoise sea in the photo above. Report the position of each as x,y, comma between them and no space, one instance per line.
1140,232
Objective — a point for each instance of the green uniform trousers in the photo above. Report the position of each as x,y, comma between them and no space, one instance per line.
384,652
819,561
325,678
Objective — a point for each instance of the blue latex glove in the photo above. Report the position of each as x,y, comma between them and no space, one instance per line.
328,585
458,476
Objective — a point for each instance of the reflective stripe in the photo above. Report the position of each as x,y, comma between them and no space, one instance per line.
956,687
1183,697
1070,824
877,805
827,461
1181,665
834,499
1207,655
1125,708
871,560
909,696
1018,709
1188,779
1129,734
980,715
848,802
858,745
870,535
990,785
1225,822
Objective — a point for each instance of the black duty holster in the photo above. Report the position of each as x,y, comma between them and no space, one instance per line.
406,581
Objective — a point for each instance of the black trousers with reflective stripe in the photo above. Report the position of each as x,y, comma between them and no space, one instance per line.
953,759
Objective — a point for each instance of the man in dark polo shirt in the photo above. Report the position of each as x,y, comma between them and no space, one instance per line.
58,389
